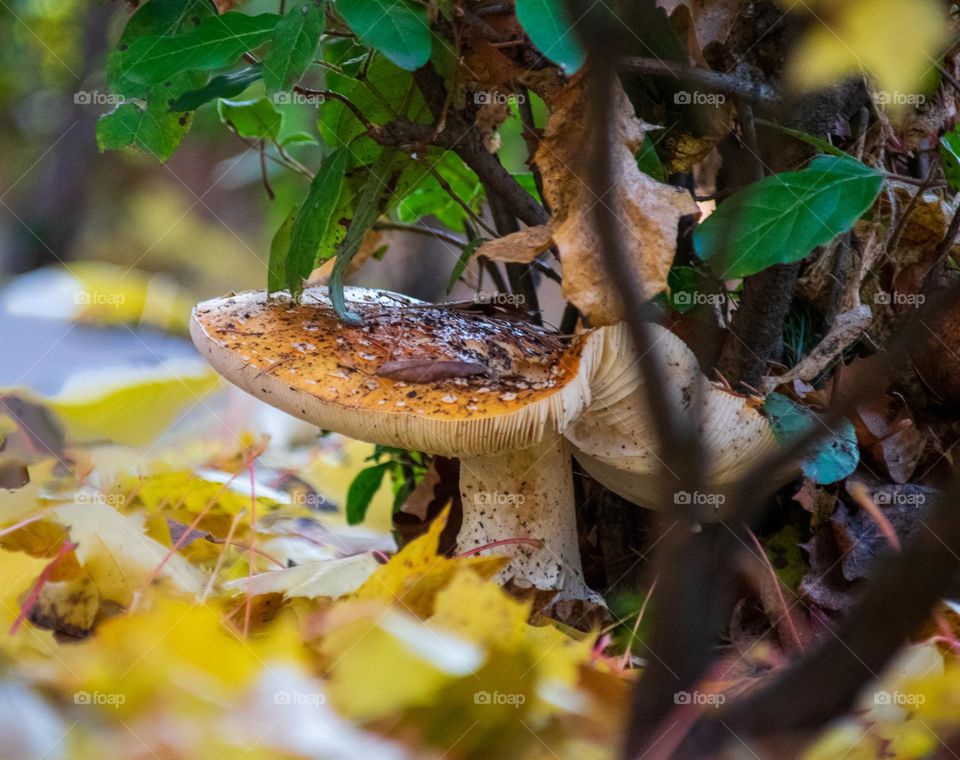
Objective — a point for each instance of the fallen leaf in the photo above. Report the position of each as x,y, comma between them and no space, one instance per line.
861,540
886,433
429,370
413,577
331,578
117,554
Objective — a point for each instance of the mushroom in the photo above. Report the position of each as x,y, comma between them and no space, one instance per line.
508,399
614,439
495,393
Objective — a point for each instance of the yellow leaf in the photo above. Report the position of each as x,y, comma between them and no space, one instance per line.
191,493
481,611
859,36
417,572
384,660
104,294
41,538
19,571
131,406
174,654
21,503
117,554
68,606
324,578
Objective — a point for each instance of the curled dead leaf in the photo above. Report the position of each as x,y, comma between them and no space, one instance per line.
650,211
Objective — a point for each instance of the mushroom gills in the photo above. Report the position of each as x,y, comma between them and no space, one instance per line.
615,439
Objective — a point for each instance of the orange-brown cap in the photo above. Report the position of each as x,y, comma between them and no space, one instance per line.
428,378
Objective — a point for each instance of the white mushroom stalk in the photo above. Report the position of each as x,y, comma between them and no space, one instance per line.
615,441
494,393
526,493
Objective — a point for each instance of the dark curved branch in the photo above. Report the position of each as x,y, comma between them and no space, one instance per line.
466,143
755,92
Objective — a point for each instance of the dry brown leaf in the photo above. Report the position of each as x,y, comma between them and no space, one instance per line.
519,248
429,370
888,437
928,220
705,21
650,211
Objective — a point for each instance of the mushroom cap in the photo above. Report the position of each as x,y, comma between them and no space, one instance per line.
428,378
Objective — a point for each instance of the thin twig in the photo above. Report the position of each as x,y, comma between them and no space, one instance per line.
263,170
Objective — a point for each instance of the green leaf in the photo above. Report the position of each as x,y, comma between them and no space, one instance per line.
460,267
362,490
828,460
385,92
950,158
376,190
782,218
649,162
547,22
294,44
399,29
298,138
427,197
223,86
315,218
156,18
279,248
251,118
817,142
150,128
683,283
216,42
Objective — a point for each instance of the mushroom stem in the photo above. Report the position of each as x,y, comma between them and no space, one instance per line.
525,494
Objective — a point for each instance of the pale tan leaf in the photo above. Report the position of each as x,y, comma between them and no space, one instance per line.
520,247
650,211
